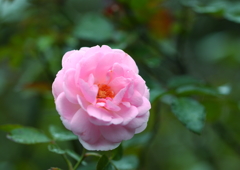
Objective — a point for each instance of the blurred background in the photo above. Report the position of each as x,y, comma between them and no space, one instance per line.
184,48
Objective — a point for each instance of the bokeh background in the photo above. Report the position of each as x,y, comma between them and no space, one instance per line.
184,48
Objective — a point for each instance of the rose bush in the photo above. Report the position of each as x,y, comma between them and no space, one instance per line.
100,96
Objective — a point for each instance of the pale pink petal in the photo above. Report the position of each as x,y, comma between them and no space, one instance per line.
141,128
111,106
114,133
71,59
69,86
105,49
127,114
88,65
65,108
89,91
66,56
139,84
138,121
136,99
57,86
145,107
81,126
127,60
119,96
66,123
118,83
99,115
82,102
101,145
103,67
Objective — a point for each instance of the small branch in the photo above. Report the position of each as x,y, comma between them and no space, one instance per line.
68,162
80,160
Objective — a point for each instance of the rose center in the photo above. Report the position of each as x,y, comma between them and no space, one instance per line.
104,91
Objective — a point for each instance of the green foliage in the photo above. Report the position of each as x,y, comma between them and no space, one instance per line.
27,135
94,27
61,135
190,113
117,153
187,52
105,164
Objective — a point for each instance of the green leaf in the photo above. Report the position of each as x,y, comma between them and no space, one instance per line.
73,154
233,13
117,153
105,164
9,127
59,134
127,162
26,135
195,90
94,27
54,148
190,113
183,80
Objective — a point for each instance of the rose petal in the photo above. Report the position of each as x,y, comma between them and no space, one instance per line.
136,99
98,115
145,107
57,86
115,133
69,86
101,145
138,121
127,114
89,91
141,128
111,106
81,126
65,108
127,60
119,83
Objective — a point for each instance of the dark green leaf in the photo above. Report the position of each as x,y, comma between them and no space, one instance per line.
26,135
233,13
183,80
9,127
61,135
190,113
117,153
195,90
94,27
128,162
54,148
73,154
137,140
105,164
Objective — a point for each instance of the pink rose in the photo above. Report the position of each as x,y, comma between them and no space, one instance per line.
100,96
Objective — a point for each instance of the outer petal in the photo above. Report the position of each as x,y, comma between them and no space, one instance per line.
127,60
145,107
116,134
70,59
65,108
57,86
138,121
141,128
127,114
69,86
81,126
101,145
